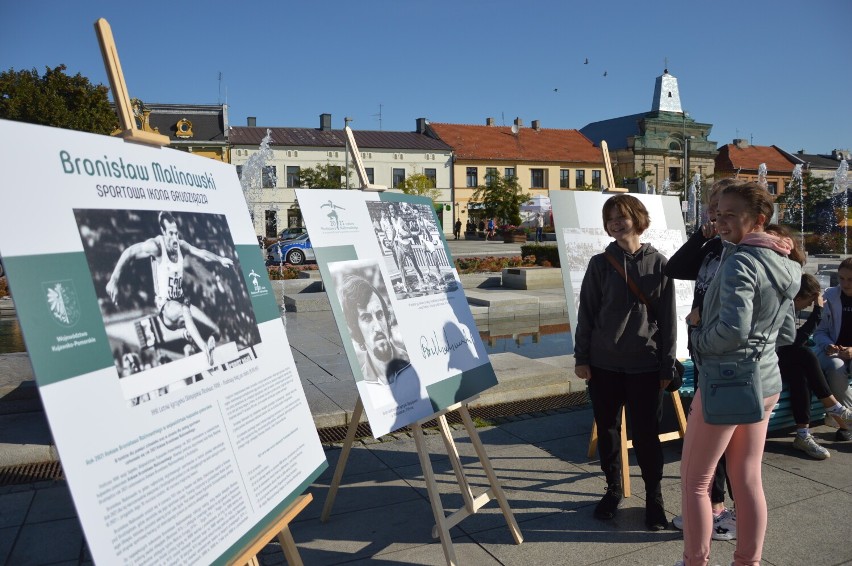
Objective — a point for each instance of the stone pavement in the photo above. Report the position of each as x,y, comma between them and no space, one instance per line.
382,515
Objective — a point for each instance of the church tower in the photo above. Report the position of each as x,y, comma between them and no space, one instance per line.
666,95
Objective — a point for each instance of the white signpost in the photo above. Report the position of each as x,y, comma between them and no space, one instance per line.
157,345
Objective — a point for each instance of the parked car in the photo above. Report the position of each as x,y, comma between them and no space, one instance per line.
295,251
290,233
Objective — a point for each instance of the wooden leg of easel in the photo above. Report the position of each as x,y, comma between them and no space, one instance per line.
455,460
495,490
593,441
341,462
253,561
288,545
434,495
625,463
679,414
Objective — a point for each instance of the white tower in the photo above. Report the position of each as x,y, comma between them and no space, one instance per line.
666,95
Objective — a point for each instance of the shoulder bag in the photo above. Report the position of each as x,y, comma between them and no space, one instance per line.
679,370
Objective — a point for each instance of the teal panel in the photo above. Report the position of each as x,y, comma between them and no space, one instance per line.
324,257
59,314
461,387
263,299
244,541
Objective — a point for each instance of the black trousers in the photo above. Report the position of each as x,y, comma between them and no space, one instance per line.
801,372
641,394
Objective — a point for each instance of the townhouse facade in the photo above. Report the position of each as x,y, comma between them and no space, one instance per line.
540,159
200,129
388,157
742,160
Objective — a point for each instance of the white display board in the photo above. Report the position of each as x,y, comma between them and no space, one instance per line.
580,235
156,342
407,328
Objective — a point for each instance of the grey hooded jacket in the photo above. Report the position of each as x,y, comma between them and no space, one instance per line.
614,329
739,308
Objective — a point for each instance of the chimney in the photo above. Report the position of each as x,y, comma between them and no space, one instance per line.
251,122
536,125
519,123
741,143
325,122
489,121
422,124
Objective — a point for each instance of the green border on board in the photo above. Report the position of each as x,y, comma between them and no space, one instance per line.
461,386
243,542
58,310
263,298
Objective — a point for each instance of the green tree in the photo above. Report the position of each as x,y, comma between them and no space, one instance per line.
56,99
794,202
326,176
420,184
501,197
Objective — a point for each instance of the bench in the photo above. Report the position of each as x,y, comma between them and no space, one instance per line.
782,415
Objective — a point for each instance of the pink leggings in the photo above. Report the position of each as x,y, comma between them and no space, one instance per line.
743,448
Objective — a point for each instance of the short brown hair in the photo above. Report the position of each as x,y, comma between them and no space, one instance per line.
845,264
810,287
758,200
629,206
719,186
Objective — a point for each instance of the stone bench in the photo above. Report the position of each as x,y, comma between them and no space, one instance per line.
532,278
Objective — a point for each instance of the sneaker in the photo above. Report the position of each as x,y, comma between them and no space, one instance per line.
609,503
725,525
843,435
843,418
809,446
677,522
829,421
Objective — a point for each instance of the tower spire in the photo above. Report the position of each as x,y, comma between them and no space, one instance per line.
666,94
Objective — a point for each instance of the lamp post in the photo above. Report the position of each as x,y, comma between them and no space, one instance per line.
685,173
346,121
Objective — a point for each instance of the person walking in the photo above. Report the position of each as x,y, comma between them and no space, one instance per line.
457,229
747,314
624,348
539,226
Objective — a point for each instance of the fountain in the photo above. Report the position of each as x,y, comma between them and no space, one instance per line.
693,208
251,180
665,187
761,175
796,182
841,181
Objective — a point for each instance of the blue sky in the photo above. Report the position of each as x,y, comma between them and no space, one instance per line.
773,72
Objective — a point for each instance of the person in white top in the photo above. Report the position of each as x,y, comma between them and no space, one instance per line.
166,253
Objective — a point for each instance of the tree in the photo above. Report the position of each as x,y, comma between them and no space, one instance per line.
56,99
420,184
501,197
810,199
326,176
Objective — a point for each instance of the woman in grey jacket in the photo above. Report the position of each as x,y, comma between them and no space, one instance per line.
747,308
624,347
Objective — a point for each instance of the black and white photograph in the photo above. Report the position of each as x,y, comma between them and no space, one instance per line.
414,252
169,288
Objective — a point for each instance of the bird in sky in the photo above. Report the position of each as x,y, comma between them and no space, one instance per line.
587,61
556,90
604,73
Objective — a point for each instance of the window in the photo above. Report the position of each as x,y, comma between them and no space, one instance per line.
564,176
536,178
509,172
490,173
240,171
674,173
772,188
268,176
370,178
432,175
580,180
472,177
398,178
596,178
271,224
292,176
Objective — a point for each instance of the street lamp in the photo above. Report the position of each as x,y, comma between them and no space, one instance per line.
685,151
346,125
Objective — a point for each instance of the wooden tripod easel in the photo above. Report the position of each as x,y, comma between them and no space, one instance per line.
280,526
472,504
680,416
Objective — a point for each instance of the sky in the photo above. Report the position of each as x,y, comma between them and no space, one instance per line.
771,72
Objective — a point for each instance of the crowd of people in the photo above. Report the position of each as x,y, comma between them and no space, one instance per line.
749,287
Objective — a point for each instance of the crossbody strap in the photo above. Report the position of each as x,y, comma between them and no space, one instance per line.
631,284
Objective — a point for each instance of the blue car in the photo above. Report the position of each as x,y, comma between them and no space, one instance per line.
296,251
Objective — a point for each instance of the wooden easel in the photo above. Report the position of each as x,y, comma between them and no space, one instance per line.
472,504
626,444
610,180
280,527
